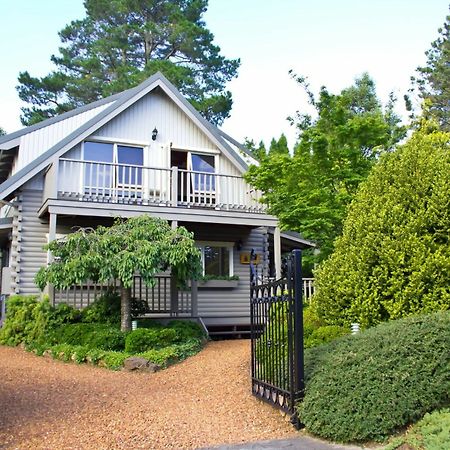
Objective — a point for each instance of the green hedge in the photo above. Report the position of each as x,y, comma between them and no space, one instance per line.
144,339
393,258
29,319
370,385
92,335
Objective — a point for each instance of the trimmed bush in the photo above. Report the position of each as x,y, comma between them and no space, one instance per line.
325,334
186,329
29,319
393,258
370,385
105,309
144,339
92,335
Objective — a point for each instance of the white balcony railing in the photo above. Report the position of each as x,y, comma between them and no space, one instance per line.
109,182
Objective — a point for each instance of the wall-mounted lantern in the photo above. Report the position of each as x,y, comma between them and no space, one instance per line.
154,134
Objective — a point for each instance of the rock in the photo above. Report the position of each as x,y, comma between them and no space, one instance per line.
138,363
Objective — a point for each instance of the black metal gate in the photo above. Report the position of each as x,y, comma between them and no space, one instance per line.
277,362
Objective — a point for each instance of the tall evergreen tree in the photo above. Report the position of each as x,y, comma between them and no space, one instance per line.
120,43
433,80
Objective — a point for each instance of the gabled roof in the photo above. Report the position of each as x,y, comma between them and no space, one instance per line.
120,103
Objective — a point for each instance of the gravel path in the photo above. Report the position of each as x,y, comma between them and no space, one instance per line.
202,402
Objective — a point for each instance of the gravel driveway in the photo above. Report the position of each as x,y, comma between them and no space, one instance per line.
202,402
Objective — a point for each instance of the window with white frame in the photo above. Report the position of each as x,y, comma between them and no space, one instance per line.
217,258
111,167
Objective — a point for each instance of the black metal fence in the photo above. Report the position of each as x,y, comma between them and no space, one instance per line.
277,363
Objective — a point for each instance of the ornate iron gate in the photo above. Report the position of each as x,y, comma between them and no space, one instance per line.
277,362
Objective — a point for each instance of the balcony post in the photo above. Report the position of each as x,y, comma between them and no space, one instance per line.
174,199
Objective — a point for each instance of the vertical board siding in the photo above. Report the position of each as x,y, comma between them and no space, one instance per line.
33,236
156,109
38,142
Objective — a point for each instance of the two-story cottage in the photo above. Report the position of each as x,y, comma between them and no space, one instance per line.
143,151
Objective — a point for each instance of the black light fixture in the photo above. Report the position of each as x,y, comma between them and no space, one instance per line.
239,245
154,134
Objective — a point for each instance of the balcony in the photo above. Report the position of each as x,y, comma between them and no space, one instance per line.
103,182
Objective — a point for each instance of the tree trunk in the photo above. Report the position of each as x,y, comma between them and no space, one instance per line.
125,309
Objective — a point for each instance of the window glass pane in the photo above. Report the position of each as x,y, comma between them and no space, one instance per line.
98,178
203,163
98,151
217,261
129,157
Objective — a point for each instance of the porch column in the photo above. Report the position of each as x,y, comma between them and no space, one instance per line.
49,290
194,298
277,251
174,224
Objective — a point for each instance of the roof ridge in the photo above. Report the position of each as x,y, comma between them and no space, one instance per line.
9,185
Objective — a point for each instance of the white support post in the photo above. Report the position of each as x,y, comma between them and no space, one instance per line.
174,224
174,199
277,251
49,290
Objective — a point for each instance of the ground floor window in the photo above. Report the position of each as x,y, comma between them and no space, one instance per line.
217,258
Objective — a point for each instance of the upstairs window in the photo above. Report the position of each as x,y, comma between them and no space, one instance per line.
112,168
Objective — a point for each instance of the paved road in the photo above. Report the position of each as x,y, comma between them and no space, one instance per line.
300,443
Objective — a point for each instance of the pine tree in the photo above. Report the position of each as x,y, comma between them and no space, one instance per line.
120,43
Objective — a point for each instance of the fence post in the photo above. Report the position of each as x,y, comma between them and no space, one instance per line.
299,364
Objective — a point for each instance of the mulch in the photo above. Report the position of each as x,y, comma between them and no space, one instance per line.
201,402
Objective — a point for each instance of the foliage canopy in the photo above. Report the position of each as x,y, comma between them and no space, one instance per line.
310,190
433,79
122,42
140,244
393,258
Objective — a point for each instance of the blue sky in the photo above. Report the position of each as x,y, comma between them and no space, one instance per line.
329,41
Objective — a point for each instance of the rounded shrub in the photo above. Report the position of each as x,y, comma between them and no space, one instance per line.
367,386
91,335
144,339
393,258
186,329
324,334
105,309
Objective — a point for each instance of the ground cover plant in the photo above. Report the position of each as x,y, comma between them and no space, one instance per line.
370,385
431,433
93,335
